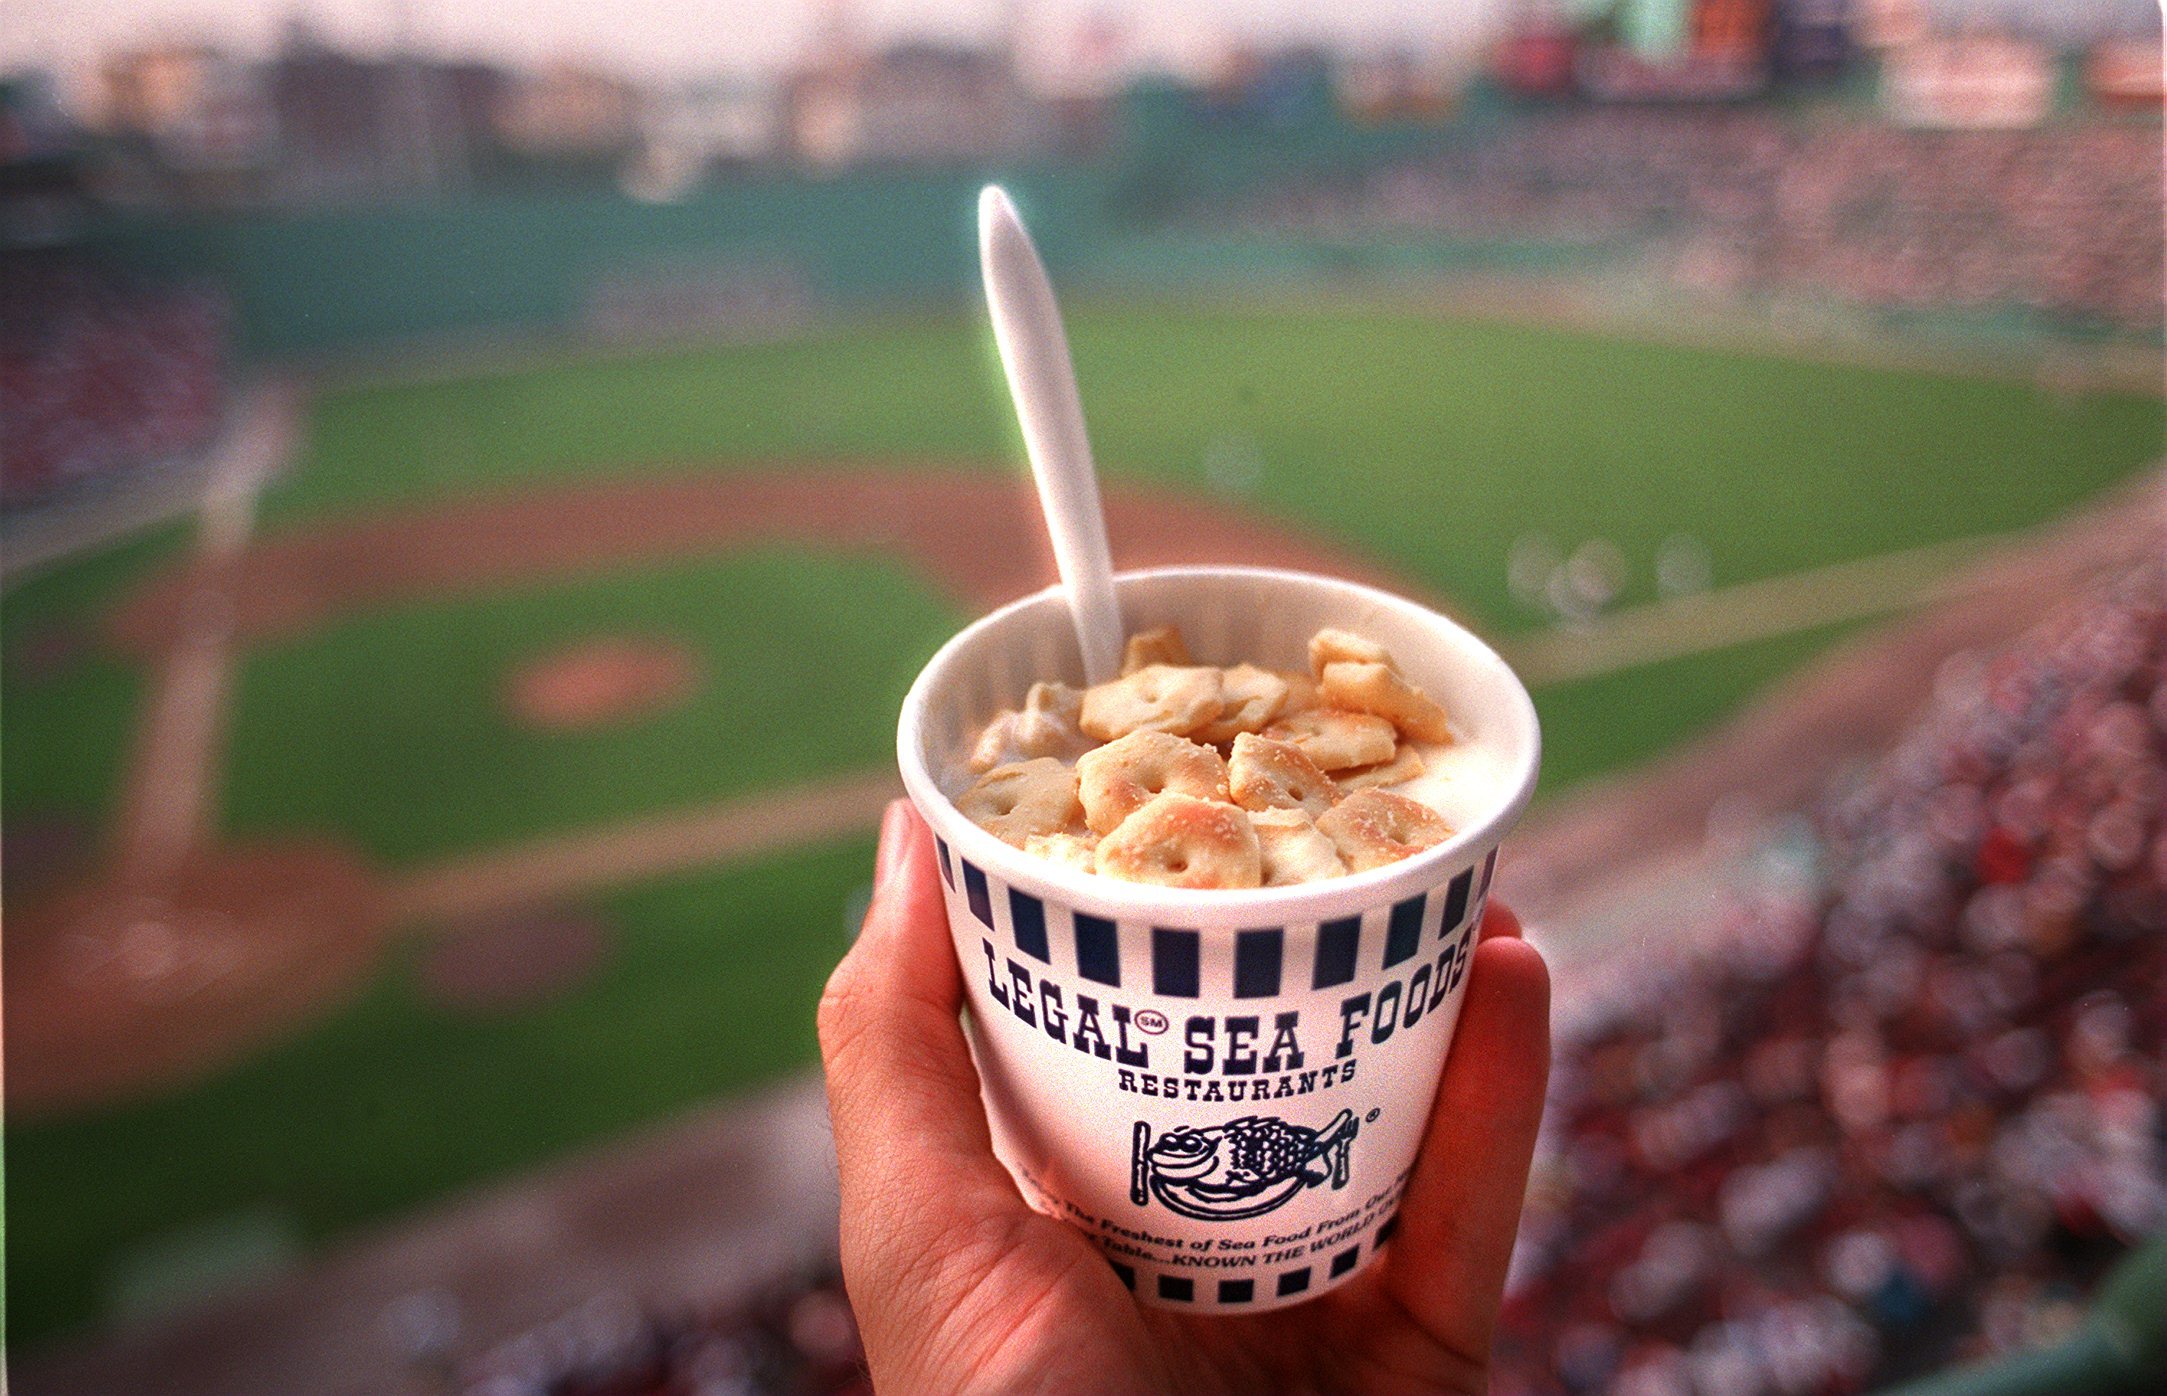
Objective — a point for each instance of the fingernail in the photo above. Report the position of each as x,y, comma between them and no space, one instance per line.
1499,920
894,842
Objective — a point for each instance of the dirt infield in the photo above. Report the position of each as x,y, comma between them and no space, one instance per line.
600,682
113,991
976,533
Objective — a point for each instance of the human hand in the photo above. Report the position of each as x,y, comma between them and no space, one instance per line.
960,1287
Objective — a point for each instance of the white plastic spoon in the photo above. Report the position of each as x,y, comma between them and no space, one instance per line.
1042,381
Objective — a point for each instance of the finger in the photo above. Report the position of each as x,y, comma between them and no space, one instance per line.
1499,919
895,843
1462,1206
902,1090
919,1183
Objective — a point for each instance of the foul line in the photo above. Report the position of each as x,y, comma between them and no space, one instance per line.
507,879
1748,611
168,788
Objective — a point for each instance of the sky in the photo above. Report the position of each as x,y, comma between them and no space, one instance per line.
666,38
674,39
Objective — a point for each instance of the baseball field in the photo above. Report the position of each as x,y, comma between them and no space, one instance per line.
491,772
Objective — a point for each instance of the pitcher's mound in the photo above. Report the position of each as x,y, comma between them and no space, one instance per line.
514,960
598,682
114,991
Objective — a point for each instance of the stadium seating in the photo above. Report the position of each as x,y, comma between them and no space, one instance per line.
2063,221
100,377
1910,1119
796,1338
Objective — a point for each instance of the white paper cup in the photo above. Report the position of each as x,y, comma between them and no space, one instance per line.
1224,1089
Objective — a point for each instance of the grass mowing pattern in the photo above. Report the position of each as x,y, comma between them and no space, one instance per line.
392,1101
390,727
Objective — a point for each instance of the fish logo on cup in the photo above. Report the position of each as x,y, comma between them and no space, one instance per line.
1243,1168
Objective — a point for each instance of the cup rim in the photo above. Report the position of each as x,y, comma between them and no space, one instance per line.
1319,900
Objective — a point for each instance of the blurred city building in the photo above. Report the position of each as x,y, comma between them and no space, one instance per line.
1747,149
2126,74
570,111
913,104
1535,56
1972,81
723,123
188,124
1398,86
1811,39
194,126
1891,23
346,125
42,196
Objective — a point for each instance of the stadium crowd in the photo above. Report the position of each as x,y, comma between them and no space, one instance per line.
796,1339
2063,220
1903,1114
100,376
1903,1120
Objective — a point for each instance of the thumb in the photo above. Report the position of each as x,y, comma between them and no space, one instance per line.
1462,1206
913,1156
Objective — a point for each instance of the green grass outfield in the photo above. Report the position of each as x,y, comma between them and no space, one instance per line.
389,727
1428,443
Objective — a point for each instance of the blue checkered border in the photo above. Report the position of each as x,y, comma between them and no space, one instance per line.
1092,945
1279,1284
